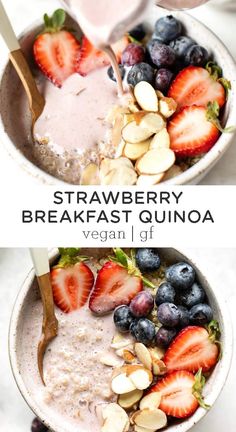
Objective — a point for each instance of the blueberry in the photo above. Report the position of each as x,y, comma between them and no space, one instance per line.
165,294
196,55
163,79
181,45
138,32
168,28
122,318
133,54
142,304
147,260
162,55
110,72
184,316
168,314
180,275
165,336
201,314
192,296
143,330
38,426
140,72
152,42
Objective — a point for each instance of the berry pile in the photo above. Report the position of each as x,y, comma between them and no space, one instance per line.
160,58
180,301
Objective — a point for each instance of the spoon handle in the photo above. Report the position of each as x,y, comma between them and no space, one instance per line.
42,270
7,31
36,100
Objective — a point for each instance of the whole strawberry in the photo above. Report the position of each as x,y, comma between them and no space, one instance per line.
56,50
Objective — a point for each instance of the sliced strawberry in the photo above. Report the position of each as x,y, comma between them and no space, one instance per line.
177,399
114,286
56,51
91,58
191,134
195,86
192,350
71,286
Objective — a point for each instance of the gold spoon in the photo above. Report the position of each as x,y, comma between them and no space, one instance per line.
50,323
36,100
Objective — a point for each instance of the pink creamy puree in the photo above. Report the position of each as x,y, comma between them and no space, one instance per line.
74,115
76,381
103,21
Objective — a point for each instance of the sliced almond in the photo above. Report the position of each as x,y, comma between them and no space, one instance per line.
155,161
143,355
135,151
110,359
122,384
174,171
121,351
157,353
133,133
146,96
139,116
153,419
114,111
128,356
153,122
90,175
162,367
158,366
120,149
108,164
121,341
116,135
115,419
141,429
128,400
133,106
167,106
159,94
160,140
141,378
122,176
149,180
151,401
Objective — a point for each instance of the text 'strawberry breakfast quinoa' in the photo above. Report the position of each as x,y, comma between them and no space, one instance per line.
146,119
137,341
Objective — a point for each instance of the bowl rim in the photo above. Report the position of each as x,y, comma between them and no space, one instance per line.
197,171
182,427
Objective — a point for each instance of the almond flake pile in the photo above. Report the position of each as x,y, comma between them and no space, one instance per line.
134,369
141,140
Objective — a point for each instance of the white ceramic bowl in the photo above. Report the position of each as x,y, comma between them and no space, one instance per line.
204,37
29,293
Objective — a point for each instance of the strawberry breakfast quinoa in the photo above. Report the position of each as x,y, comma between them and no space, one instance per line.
167,118
137,340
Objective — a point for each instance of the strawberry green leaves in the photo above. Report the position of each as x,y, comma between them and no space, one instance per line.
56,22
198,386
212,115
129,263
217,74
69,257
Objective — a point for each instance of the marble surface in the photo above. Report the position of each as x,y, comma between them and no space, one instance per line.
222,23
217,264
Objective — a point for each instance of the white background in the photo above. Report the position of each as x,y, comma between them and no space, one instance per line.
15,416
215,198
23,12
